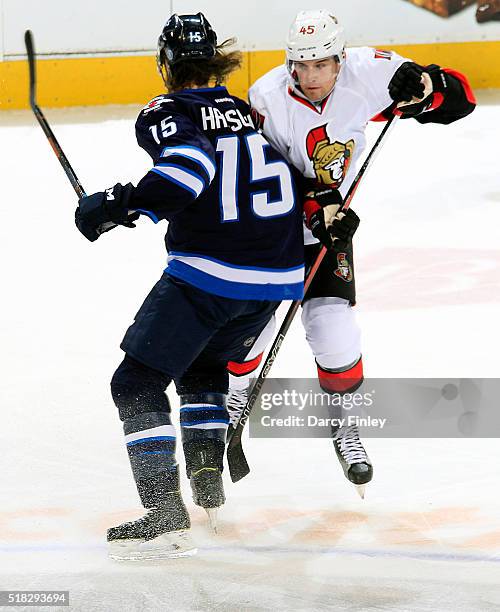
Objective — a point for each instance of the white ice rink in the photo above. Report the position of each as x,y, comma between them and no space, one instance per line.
293,534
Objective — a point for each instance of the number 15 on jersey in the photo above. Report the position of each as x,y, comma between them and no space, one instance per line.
260,169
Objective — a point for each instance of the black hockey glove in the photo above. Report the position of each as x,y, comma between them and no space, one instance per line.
332,227
104,210
406,83
412,87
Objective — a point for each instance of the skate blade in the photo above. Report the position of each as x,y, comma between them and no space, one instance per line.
212,518
166,546
361,490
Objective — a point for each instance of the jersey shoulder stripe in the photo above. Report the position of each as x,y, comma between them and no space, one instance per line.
181,176
189,165
193,153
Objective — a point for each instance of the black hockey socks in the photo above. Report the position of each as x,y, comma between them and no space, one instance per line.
204,422
150,440
139,394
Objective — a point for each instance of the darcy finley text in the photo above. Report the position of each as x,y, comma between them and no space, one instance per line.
314,421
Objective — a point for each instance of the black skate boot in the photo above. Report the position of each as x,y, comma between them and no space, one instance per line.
353,458
160,534
204,470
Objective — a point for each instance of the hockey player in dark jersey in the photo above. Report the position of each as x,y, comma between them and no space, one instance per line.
235,249
314,109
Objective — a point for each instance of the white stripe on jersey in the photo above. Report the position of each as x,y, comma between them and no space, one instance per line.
182,177
240,274
196,155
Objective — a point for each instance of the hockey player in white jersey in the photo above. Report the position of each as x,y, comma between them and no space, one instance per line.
315,110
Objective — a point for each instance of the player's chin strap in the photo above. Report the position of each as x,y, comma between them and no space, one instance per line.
238,465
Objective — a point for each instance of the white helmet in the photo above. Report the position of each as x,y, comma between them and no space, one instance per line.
315,35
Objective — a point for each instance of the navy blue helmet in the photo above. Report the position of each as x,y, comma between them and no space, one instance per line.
186,37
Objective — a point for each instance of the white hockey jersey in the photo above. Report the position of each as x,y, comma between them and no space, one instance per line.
325,142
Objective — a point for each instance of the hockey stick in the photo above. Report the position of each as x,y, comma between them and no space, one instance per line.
238,465
70,173
56,147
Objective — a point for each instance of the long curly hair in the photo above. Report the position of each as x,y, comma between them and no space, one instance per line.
199,72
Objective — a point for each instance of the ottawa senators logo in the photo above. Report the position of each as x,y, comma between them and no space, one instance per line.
344,270
330,159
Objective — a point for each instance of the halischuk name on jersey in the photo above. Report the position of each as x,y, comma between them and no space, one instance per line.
230,198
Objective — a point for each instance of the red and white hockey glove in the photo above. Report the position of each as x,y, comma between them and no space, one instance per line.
331,226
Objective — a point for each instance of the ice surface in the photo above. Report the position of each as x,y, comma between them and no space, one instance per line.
293,535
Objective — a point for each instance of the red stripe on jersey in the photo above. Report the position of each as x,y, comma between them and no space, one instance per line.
465,83
307,103
341,382
323,103
246,367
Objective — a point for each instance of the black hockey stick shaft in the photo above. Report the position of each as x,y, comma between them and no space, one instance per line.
70,173
238,465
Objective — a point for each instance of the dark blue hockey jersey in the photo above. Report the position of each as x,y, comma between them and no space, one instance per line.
235,219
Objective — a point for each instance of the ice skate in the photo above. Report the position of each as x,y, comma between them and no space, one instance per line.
353,458
208,492
162,533
205,477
